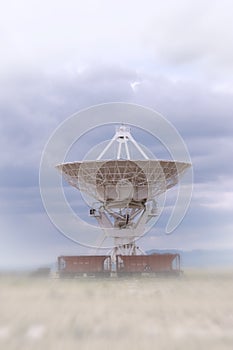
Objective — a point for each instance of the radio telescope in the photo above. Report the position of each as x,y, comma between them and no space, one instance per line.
124,190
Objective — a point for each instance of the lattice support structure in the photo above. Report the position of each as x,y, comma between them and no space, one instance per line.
124,190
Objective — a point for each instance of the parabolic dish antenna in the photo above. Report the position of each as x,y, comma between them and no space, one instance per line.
124,190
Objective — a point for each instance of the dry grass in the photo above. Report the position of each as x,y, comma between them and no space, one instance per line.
192,312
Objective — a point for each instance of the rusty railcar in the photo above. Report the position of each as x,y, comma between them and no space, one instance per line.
167,264
84,265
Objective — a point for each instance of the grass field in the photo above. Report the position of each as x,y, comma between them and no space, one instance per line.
194,311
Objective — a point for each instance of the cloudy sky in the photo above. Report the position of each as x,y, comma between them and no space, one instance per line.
58,57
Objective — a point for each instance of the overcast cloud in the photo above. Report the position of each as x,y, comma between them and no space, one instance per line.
58,57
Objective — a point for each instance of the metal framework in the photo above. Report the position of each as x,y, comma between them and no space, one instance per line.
124,190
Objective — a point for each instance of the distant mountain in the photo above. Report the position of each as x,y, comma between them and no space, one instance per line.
201,257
